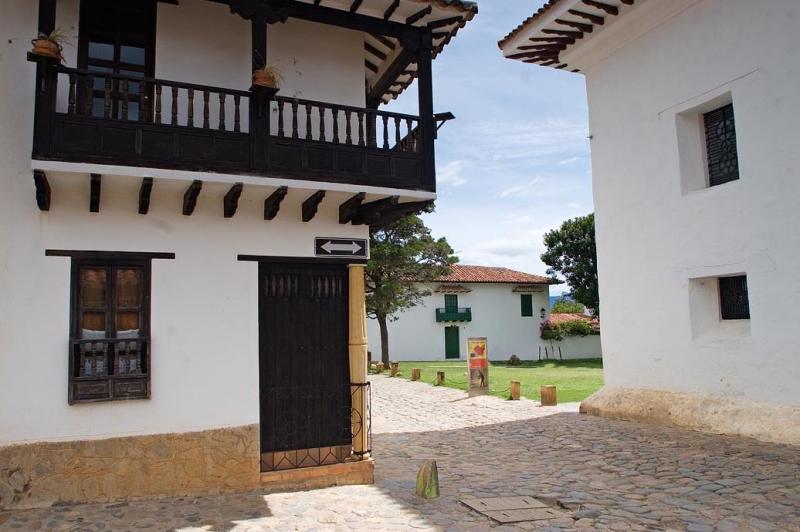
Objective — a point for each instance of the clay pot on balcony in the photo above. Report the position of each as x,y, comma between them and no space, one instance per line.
49,45
267,76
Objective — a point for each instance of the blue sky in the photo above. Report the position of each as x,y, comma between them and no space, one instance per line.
515,162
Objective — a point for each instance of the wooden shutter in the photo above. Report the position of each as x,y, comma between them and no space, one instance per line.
451,302
723,159
526,301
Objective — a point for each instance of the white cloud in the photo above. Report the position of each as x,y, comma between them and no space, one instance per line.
451,174
574,205
569,160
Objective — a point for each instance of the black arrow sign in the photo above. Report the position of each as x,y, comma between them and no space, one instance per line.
340,247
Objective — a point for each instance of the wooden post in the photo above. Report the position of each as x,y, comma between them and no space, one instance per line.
515,390
549,394
439,378
427,127
415,374
358,357
395,367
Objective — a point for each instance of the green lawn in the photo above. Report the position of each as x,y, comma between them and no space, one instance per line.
575,379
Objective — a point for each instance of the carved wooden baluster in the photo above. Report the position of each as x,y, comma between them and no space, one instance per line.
360,128
396,131
71,99
385,132
87,102
205,109
281,132
294,119
106,99
372,125
335,113
190,108
236,126
142,102
308,122
409,138
322,124
158,103
174,106
348,137
222,111
123,94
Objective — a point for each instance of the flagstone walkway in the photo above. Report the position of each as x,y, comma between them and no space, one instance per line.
606,474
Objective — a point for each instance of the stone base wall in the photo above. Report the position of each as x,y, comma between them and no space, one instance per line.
709,413
41,474
306,478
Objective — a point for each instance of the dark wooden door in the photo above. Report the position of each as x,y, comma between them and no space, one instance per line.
452,344
304,365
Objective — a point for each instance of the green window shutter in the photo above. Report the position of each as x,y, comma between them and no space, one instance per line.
526,301
451,302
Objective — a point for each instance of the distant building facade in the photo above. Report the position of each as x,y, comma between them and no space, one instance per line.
693,108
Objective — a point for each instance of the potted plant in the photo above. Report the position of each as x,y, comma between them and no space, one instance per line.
267,76
49,45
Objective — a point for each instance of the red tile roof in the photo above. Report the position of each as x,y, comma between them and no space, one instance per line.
463,273
559,318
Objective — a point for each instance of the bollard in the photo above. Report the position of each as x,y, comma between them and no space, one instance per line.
379,367
439,378
515,390
416,373
548,394
395,367
428,480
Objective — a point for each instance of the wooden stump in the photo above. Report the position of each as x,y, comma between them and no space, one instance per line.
515,390
428,480
548,394
439,378
395,367
379,367
416,373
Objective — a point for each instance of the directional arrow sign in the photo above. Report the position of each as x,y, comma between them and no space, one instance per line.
340,247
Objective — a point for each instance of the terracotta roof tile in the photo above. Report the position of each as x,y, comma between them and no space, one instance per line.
463,273
559,318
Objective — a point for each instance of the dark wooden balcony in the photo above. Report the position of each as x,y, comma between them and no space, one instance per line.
103,118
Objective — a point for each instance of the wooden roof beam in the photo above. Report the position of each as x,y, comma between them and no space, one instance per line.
355,5
399,65
374,51
391,9
561,40
532,54
393,213
349,208
564,33
231,201
419,15
370,212
594,19
544,47
190,197
383,40
611,10
273,203
144,195
42,190
311,205
586,28
442,22
94,192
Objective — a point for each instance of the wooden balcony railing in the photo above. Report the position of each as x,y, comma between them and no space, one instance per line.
109,368
98,117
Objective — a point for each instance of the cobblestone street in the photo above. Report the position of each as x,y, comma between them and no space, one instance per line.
604,473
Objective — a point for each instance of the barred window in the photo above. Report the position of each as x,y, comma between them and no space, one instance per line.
451,302
723,159
733,301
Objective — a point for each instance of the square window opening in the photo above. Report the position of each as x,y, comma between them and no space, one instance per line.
734,303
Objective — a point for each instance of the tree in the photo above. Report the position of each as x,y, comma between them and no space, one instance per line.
402,254
571,251
567,306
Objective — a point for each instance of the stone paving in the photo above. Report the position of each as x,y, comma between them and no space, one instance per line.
607,475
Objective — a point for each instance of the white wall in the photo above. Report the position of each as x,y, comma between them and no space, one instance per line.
204,303
496,314
659,238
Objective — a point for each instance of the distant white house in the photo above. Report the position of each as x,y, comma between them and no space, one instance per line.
506,306
696,175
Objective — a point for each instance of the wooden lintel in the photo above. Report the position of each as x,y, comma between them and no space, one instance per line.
144,195
231,201
391,9
42,190
311,204
586,28
348,209
190,197
564,33
94,192
273,203
419,15
369,212
594,19
608,8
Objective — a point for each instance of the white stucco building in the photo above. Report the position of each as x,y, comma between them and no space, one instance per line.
692,108
168,315
506,306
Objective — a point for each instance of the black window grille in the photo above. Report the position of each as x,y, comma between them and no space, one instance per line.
734,304
451,302
723,159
